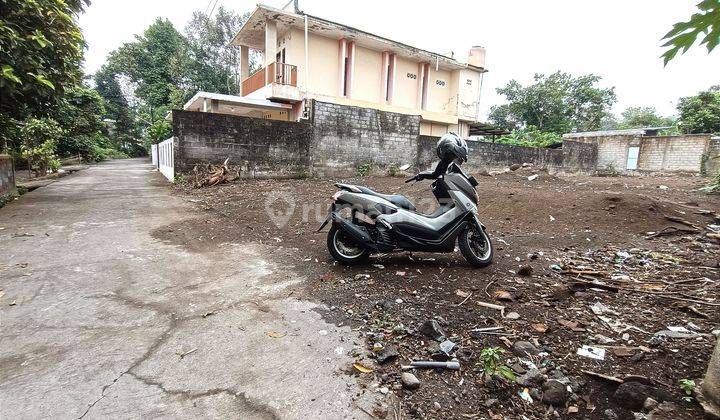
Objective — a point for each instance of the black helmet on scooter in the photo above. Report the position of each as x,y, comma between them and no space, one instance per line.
451,147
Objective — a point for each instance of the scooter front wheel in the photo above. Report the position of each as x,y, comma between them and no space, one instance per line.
344,248
475,246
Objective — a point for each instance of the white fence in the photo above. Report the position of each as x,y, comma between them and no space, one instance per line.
154,154
166,160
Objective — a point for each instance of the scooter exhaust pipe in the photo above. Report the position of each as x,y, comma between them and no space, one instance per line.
358,234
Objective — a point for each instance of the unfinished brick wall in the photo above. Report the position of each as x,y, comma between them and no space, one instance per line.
7,175
346,137
485,156
712,160
660,154
673,153
261,147
339,140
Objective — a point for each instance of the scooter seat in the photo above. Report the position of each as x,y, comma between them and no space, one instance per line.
397,199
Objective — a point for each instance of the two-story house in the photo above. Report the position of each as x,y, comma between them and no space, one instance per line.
306,57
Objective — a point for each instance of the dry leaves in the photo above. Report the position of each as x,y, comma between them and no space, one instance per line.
362,368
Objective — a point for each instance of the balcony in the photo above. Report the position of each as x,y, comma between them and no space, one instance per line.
282,79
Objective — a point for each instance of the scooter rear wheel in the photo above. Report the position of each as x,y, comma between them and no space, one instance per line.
344,248
475,246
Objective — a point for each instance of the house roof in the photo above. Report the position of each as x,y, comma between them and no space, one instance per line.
231,104
252,35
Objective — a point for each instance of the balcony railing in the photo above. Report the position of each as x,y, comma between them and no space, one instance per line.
280,73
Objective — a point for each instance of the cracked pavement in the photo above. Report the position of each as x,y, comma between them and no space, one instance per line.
99,319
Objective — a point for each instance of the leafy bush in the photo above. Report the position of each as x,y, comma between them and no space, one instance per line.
530,137
714,186
39,138
37,131
41,159
393,170
99,153
363,169
160,130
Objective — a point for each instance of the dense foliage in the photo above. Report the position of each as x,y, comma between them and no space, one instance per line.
162,68
700,113
558,103
41,48
123,109
639,117
45,109
530,137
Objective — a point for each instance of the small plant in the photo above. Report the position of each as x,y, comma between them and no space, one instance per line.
393,170
688,387
713,186
363,169
491,364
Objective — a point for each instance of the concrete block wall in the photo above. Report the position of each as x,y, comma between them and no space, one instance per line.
660,154
346,137
339,139
712,162
261,147
485,156
7,175
673,153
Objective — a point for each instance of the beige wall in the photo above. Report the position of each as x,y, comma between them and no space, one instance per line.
405,88
367,83
439,94
367,90
438,129
468,94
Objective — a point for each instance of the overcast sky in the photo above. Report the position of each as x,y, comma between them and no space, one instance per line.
616,39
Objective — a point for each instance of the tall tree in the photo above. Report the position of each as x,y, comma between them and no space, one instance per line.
700,113
558,103
125,132
638,117
80,113
41,48
150,62
213,63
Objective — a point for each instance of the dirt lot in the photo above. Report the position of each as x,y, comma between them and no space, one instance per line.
552,237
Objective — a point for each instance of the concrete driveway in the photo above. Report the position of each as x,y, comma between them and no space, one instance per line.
99,319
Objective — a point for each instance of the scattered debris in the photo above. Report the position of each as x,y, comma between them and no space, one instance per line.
431,328
532,177
452,365
596,353
208,175
275,334
525,395
183,354
524,348
409,381
387,354
362,368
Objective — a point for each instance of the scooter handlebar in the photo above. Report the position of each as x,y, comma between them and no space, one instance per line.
415,178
